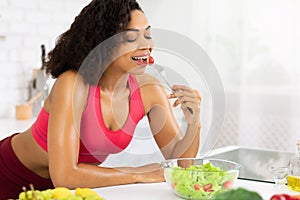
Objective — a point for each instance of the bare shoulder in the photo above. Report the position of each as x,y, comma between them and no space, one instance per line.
67,78
152,91
68,82
148,83
69,86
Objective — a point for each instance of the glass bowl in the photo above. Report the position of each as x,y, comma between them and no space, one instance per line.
195,178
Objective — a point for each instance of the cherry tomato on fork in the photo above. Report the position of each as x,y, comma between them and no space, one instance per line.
150,60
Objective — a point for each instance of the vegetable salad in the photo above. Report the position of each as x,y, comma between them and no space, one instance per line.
200,182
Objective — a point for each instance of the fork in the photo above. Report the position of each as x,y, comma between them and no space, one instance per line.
160,70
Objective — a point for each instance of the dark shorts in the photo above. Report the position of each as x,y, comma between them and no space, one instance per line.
14,175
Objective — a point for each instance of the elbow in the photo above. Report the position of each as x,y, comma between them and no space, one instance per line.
63,178
61,183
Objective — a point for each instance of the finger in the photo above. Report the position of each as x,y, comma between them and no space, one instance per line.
197,94
184,99
185,88
190,106
187,108
186,104
170,96
176,103
184,93
182,87
180,90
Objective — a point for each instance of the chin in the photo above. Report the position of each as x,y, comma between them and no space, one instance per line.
138,70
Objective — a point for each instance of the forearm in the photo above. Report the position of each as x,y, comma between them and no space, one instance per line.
85,175
92,176
188,146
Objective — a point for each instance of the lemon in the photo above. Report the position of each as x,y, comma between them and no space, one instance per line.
61,192
87,193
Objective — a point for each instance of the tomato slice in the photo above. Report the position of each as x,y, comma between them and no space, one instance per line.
207,187
227,184
197,187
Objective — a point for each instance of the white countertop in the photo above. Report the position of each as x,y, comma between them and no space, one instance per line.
154,191
161,191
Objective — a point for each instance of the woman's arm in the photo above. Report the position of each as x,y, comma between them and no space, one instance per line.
164,127
67,102
189,100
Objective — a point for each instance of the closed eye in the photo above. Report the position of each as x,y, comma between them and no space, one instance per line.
131,35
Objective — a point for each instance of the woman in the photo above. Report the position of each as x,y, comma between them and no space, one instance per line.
94,106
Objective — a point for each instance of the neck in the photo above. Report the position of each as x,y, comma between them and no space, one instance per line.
115,83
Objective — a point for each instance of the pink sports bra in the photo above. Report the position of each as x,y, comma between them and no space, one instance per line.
96,140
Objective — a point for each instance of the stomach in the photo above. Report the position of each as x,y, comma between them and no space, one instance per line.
30,154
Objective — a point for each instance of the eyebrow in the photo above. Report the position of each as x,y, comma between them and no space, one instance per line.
135,29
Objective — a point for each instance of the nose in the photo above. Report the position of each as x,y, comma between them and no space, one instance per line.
145,43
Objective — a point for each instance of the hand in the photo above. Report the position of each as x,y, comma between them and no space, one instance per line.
189,100
150,173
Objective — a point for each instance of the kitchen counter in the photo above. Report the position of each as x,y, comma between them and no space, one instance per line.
255,162
153,191
161,191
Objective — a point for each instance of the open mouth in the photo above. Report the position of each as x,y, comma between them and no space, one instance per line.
140,60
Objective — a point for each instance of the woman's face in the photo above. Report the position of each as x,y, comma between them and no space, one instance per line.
134,51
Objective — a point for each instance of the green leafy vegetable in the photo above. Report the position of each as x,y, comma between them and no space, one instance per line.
238,194
200,182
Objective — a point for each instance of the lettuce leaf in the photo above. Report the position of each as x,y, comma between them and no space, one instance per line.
199,182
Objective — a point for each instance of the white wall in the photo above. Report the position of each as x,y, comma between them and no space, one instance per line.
24,26
254,44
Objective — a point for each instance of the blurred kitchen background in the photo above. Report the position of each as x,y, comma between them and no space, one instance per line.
255,45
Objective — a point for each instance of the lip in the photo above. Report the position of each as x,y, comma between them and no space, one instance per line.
143,58
141,62
145,53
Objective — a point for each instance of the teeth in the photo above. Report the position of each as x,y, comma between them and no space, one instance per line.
140,58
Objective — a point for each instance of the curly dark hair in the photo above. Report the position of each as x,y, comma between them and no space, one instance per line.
97,22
